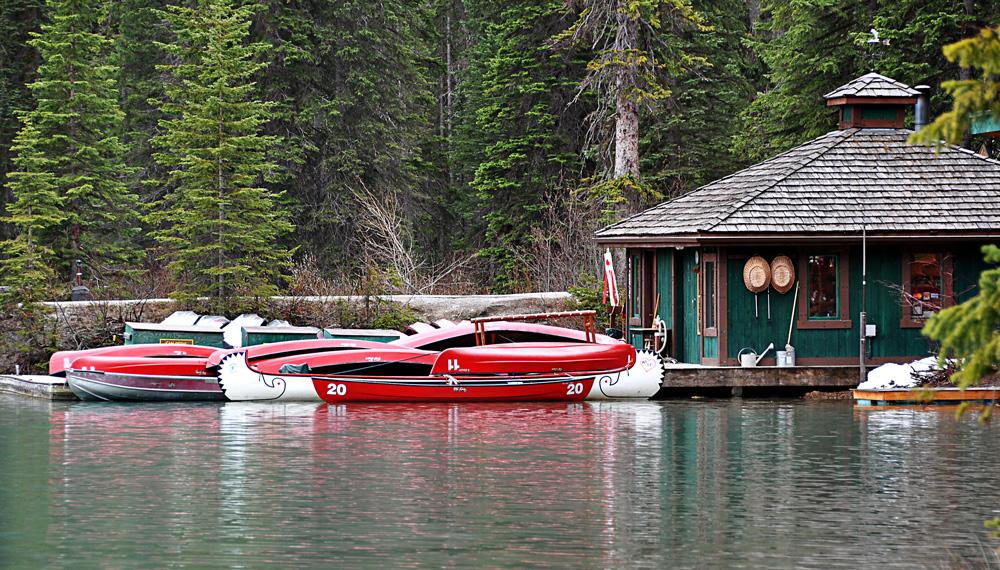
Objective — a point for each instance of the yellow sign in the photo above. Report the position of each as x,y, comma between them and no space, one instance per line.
177,341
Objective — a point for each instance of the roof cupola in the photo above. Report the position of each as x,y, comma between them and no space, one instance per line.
872,101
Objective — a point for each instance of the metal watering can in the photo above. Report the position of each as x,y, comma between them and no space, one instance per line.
750,359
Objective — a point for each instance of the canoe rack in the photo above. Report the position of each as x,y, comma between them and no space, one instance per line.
588,322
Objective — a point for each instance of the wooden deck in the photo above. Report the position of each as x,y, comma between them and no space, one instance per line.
46,387
917,396
737,380
680,380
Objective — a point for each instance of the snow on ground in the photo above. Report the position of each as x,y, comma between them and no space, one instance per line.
891,376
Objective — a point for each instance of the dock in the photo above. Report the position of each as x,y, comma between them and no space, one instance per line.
909,396
37,386
685,380
679,381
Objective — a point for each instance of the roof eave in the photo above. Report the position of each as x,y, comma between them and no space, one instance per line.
871,101
691,240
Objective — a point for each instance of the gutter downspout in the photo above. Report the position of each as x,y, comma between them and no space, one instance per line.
864,282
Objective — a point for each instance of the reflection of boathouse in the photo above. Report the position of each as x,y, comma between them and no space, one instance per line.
869,224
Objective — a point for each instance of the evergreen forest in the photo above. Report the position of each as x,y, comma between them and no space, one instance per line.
153,148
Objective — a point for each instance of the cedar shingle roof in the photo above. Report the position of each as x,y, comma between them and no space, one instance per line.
833,184
873,85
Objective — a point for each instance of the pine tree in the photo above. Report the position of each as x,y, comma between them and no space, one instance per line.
219,227
637,53
808,48
72,128
350,81
519,130
29,268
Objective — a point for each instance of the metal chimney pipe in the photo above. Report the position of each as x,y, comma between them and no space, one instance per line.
922,112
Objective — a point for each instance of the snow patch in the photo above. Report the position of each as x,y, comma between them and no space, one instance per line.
891,376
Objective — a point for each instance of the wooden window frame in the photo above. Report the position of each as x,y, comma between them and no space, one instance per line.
707,258
908,321
842,321
635,287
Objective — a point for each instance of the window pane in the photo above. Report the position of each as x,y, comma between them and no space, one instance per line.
636,280
925,284
710,294
823,289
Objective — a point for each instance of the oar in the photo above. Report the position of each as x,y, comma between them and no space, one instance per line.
795,297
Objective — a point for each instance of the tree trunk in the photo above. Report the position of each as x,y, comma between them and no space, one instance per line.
626,100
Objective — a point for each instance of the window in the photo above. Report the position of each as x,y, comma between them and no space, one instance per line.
711,297
824,295
635,288
927,286
824,288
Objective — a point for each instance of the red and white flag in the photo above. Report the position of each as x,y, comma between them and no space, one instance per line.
610,283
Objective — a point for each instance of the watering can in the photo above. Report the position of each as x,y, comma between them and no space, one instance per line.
750,359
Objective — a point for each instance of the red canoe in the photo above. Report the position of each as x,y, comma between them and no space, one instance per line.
509,372
64,360
141,378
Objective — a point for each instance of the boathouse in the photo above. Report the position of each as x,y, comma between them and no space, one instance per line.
841,247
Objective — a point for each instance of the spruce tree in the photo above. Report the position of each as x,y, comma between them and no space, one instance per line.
351,85
72,129
218,225
686,142
29,265
18,18
520,132
638,51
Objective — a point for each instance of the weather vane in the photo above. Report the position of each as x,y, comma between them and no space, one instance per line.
873,48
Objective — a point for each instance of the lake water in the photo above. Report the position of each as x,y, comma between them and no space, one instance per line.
675,484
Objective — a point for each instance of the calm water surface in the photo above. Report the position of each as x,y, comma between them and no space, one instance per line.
692,484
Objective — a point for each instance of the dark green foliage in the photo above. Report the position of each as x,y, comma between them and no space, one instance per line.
18,62
137,52
351,88
529,134
218,226
808,50
72,138
687,142
811,47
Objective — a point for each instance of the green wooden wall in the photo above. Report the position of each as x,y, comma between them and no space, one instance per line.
756,320
882,300
664,274
747,326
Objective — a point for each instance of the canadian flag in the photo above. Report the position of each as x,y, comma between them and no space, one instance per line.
610,283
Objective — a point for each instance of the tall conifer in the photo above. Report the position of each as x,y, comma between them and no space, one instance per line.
520,132
218,225
29,268
351,83
70,141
